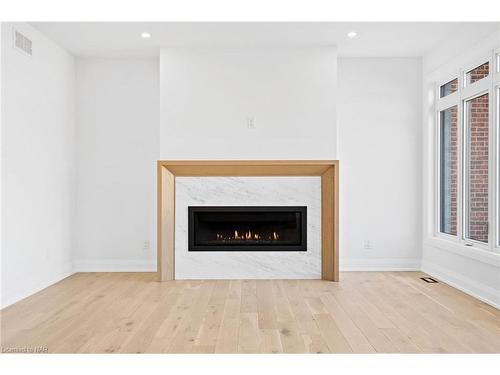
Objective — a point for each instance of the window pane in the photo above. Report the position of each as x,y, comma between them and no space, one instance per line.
448,88
476,202
478,73
448,167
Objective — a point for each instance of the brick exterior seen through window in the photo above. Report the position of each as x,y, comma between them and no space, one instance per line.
476,74
477,168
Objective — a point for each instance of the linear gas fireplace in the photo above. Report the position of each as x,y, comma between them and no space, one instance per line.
247,228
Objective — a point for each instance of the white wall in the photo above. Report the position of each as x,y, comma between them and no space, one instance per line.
443,54
379,121
38,164
207,95
117,149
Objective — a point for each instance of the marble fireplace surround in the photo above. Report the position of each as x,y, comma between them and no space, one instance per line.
166,186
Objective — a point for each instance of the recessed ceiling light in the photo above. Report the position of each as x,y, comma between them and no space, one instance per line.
352,34
145,35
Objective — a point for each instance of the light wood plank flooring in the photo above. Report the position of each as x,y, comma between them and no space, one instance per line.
366,312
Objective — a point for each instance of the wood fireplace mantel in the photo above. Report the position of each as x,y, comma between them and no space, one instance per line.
327,169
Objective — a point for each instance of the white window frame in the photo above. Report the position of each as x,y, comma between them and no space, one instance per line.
495,84
442,104
497,62
464,156
491,86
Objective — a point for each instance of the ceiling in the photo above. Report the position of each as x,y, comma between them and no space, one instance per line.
120,39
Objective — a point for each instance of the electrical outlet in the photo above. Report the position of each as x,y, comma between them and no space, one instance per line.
146,245
251,122
367,244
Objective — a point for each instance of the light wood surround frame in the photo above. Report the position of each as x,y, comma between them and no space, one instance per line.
327,169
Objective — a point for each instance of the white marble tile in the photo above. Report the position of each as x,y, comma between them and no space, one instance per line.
248,191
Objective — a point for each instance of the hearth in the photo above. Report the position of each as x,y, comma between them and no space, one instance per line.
247,228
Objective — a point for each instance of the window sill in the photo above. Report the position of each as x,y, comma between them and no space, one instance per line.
478,254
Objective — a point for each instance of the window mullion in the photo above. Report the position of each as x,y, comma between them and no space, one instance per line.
491,164
461,161
495,206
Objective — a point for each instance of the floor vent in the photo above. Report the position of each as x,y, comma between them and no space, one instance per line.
23,43
429,280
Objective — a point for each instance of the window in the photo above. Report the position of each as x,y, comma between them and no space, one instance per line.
476,168
448,170
448,88
467,164
478,73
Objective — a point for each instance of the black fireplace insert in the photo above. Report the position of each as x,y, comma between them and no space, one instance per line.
247,228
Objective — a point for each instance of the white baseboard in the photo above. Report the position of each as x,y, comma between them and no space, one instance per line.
482,292
383,264
9,299
114,265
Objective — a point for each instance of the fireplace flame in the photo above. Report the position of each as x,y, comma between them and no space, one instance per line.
246,236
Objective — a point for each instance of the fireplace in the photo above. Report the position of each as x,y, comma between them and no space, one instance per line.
247,228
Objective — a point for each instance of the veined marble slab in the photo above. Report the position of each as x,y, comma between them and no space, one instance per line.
248,191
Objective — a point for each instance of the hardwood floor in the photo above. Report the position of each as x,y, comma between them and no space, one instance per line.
366,312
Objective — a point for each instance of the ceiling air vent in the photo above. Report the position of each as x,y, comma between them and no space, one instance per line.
22,43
